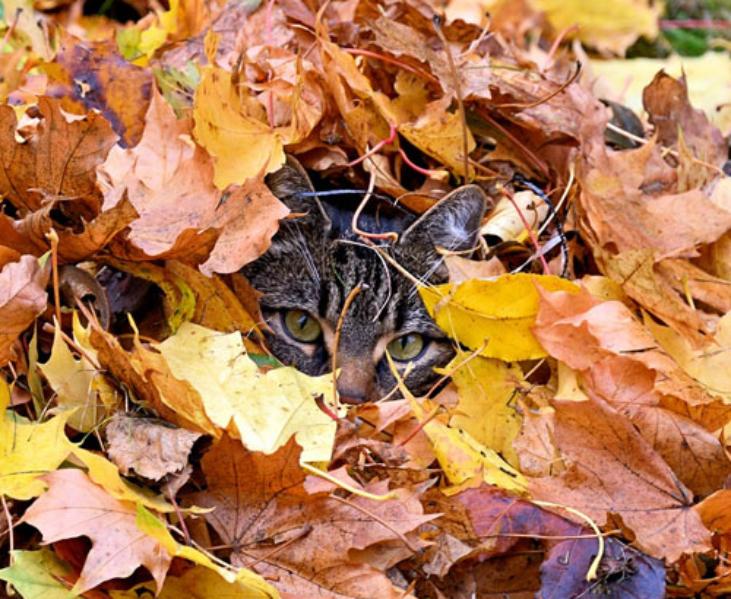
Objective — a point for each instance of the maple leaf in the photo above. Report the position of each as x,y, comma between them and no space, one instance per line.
28,450
609,27
260,504
96,76
166,175
79,386
493,317
264,409
22,298
74,506
233,131
486,388
611,469
623,571
59,158
622,364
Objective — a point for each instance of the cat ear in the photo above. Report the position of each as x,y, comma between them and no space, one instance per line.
292,185
453,223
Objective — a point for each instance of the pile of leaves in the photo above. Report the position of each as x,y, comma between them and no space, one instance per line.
148,443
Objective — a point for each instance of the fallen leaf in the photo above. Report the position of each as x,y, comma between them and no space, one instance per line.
620,362
36,574
611,469
254,585
167,175
485,410
608,27
22,298
260,504
97,77
148,448
28,450
492,317
58,159
266,410
623,571
232,130
74,506
79,386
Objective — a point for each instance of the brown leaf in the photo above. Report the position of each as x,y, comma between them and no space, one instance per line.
613,470
78,239
97,77
59,158
262,508
149,448
621,362
666,101
169,181
22,298
73,506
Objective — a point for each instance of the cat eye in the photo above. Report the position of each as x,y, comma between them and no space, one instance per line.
407,347
301,326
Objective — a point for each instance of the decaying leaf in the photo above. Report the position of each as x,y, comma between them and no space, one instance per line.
149,449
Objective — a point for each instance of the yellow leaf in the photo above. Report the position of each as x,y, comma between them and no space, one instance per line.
78,385
266,409
233,131
461,457
251,585
494,317
606,26
28,450
440,134
485,410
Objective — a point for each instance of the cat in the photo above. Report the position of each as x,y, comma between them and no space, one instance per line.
316,260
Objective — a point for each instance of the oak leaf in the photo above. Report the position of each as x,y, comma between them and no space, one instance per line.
74,506
146,447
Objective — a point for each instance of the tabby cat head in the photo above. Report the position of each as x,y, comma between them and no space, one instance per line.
316,260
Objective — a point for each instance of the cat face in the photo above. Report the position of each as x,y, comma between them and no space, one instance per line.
316,261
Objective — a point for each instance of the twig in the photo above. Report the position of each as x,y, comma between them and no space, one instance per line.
388,59
391,235
11,525
547,98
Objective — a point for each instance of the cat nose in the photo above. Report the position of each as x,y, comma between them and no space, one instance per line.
355,381
352,398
